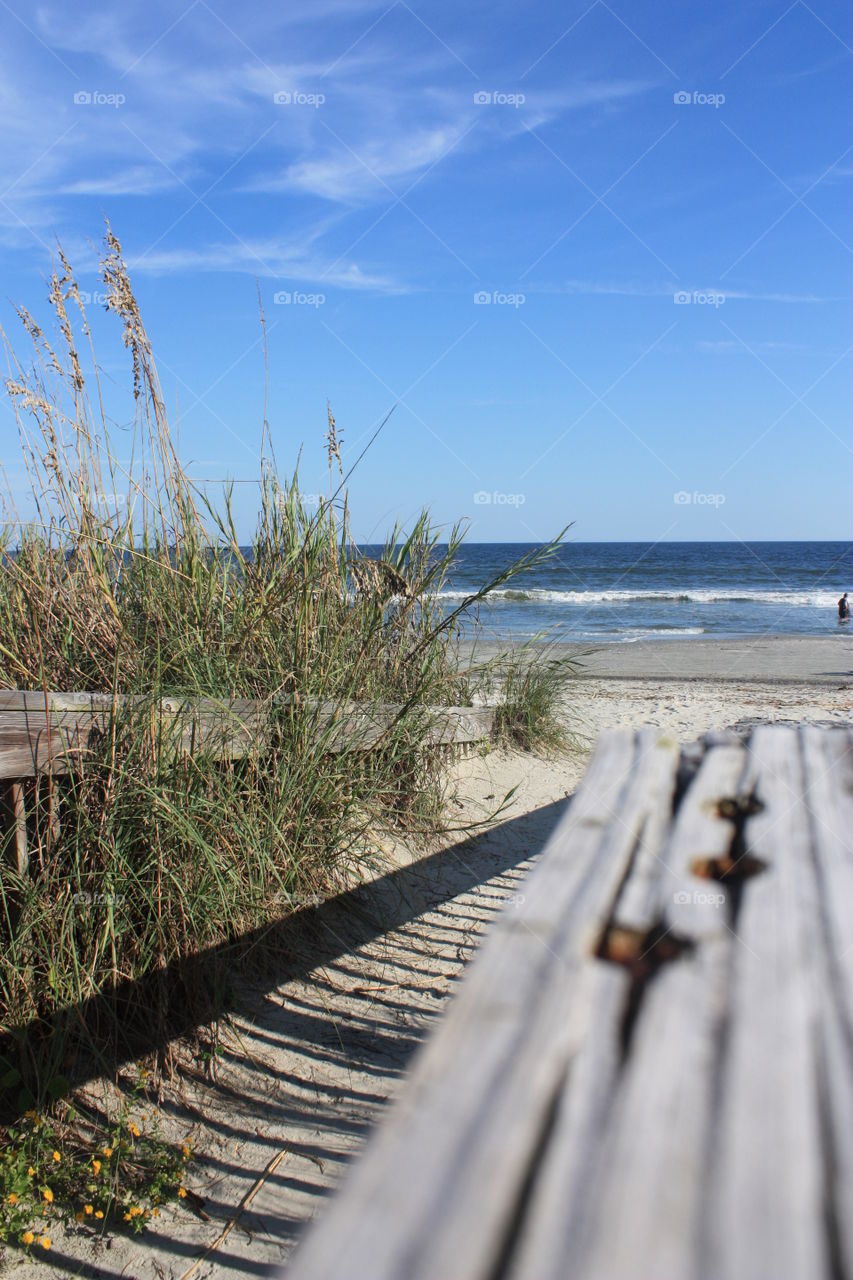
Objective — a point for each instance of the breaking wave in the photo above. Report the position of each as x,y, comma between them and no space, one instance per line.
710,595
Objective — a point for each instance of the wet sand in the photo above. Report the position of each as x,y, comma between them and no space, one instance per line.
786,659
792,659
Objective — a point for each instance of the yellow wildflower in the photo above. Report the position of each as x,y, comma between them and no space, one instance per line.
127,1217
134,1130
96,1165
12,1199
135,1211
56,1157
182,1191
88,1209
31,1173
27,1237
48,1195
186,1150
99,1213
107,1151
44,1241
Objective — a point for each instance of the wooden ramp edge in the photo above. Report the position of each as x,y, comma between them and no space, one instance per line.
647,1071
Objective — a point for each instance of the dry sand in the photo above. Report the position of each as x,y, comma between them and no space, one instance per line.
311,1059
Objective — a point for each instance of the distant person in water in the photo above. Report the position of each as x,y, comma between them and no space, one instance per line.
843,609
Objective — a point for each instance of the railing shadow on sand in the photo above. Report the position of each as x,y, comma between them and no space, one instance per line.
295,945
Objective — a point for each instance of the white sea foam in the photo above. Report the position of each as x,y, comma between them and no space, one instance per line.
631,637
711,595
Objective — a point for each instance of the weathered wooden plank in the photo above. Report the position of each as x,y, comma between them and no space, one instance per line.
766,1191
438,1191
566,1190
828,761
28,749
702,838
34,741
34,738
634,1155
28,700
352,728
655,1150
638,904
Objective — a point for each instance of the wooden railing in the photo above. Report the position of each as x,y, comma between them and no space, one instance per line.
50,734
647,1072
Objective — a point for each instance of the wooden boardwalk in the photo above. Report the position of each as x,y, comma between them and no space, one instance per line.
647,1073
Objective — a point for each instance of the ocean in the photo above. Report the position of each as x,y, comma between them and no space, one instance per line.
627,591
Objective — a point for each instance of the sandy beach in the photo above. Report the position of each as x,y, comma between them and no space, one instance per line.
310,1061
685,688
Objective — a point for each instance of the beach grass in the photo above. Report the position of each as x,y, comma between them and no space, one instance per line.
529,685
123,577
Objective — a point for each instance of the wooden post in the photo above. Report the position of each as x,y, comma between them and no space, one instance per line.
16,823
17,810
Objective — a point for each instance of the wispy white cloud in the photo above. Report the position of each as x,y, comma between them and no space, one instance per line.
271,258
634,289
136,180
726,346
770,296
542,106
350,172
838,60
620,288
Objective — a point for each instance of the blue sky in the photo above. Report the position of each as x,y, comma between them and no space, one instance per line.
654,199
